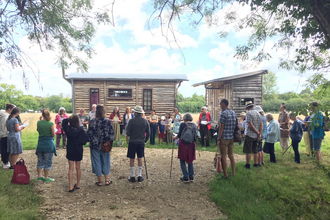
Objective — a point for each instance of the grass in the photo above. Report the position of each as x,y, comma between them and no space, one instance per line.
18,201
285,190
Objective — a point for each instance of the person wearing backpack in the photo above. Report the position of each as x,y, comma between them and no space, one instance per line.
317,132
187,147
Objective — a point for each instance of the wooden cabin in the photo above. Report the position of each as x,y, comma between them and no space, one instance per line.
151,91
237,89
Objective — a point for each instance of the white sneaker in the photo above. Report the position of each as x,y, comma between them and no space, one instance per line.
5,166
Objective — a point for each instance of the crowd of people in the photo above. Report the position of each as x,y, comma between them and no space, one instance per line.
75,131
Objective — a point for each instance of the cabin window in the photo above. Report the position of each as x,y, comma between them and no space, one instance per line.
120,93
94,97
147,99
244,100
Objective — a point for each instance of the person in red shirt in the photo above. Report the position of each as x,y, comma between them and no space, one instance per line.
205,120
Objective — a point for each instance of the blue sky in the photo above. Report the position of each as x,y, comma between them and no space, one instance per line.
130,47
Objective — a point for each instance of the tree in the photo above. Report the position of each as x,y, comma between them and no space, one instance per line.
66,25
269,86
8,94
27,102
54,103
300,27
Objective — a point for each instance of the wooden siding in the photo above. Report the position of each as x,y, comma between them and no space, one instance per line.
247,87
82,94
163,95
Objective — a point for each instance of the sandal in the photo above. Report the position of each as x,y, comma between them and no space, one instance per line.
107,183
71,190
99,183
75,186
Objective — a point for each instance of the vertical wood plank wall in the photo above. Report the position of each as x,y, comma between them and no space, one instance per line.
247,87
163,95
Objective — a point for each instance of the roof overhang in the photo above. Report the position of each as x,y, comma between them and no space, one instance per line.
228,78
128,77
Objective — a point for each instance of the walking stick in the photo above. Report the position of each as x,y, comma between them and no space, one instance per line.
145,165
286,149
172,159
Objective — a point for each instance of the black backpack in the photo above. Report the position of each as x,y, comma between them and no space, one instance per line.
188,134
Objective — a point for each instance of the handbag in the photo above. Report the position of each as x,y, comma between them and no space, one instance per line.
21,175
266,148
107,146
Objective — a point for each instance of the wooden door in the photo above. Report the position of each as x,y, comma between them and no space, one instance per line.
94,97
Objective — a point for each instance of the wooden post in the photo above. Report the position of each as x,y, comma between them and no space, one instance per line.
137,93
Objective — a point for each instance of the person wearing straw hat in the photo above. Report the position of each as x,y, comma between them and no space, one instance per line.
205,120
138,130
252,133
241,125
263,135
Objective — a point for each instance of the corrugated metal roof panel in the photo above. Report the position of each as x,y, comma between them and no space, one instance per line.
238,76
128,76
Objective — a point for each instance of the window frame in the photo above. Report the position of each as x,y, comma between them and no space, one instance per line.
90,93
249,99
147,110
112,97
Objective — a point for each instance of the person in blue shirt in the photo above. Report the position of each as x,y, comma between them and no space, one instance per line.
161,129
273,135
317,132
296,133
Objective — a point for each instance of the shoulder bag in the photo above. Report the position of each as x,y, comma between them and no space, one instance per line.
107,146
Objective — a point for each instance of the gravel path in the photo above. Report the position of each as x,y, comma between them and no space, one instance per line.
156,198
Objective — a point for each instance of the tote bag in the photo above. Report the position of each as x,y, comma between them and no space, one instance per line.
21,175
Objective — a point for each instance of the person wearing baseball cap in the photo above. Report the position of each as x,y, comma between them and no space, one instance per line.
138,130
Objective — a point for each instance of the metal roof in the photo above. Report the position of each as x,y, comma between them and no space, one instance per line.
128,76
238,76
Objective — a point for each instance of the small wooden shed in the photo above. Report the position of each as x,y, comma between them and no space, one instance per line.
237,89
151,91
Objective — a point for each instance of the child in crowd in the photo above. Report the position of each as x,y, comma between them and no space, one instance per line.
296,133
161,129
77,138
168,129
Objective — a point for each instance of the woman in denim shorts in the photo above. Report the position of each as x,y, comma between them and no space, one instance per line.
46,147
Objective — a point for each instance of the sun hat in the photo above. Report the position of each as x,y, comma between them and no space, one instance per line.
249,104
258,108
242,114
162,118
138,109
61,109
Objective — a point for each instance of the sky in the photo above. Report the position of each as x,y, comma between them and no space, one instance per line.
131,47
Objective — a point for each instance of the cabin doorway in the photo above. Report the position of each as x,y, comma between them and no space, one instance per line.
94,97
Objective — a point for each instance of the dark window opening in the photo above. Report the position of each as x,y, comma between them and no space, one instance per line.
147,99
120,93
244,100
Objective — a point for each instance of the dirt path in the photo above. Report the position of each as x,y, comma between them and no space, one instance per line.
156,198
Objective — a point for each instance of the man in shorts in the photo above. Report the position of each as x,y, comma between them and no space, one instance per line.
228,122
138,130
253,131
